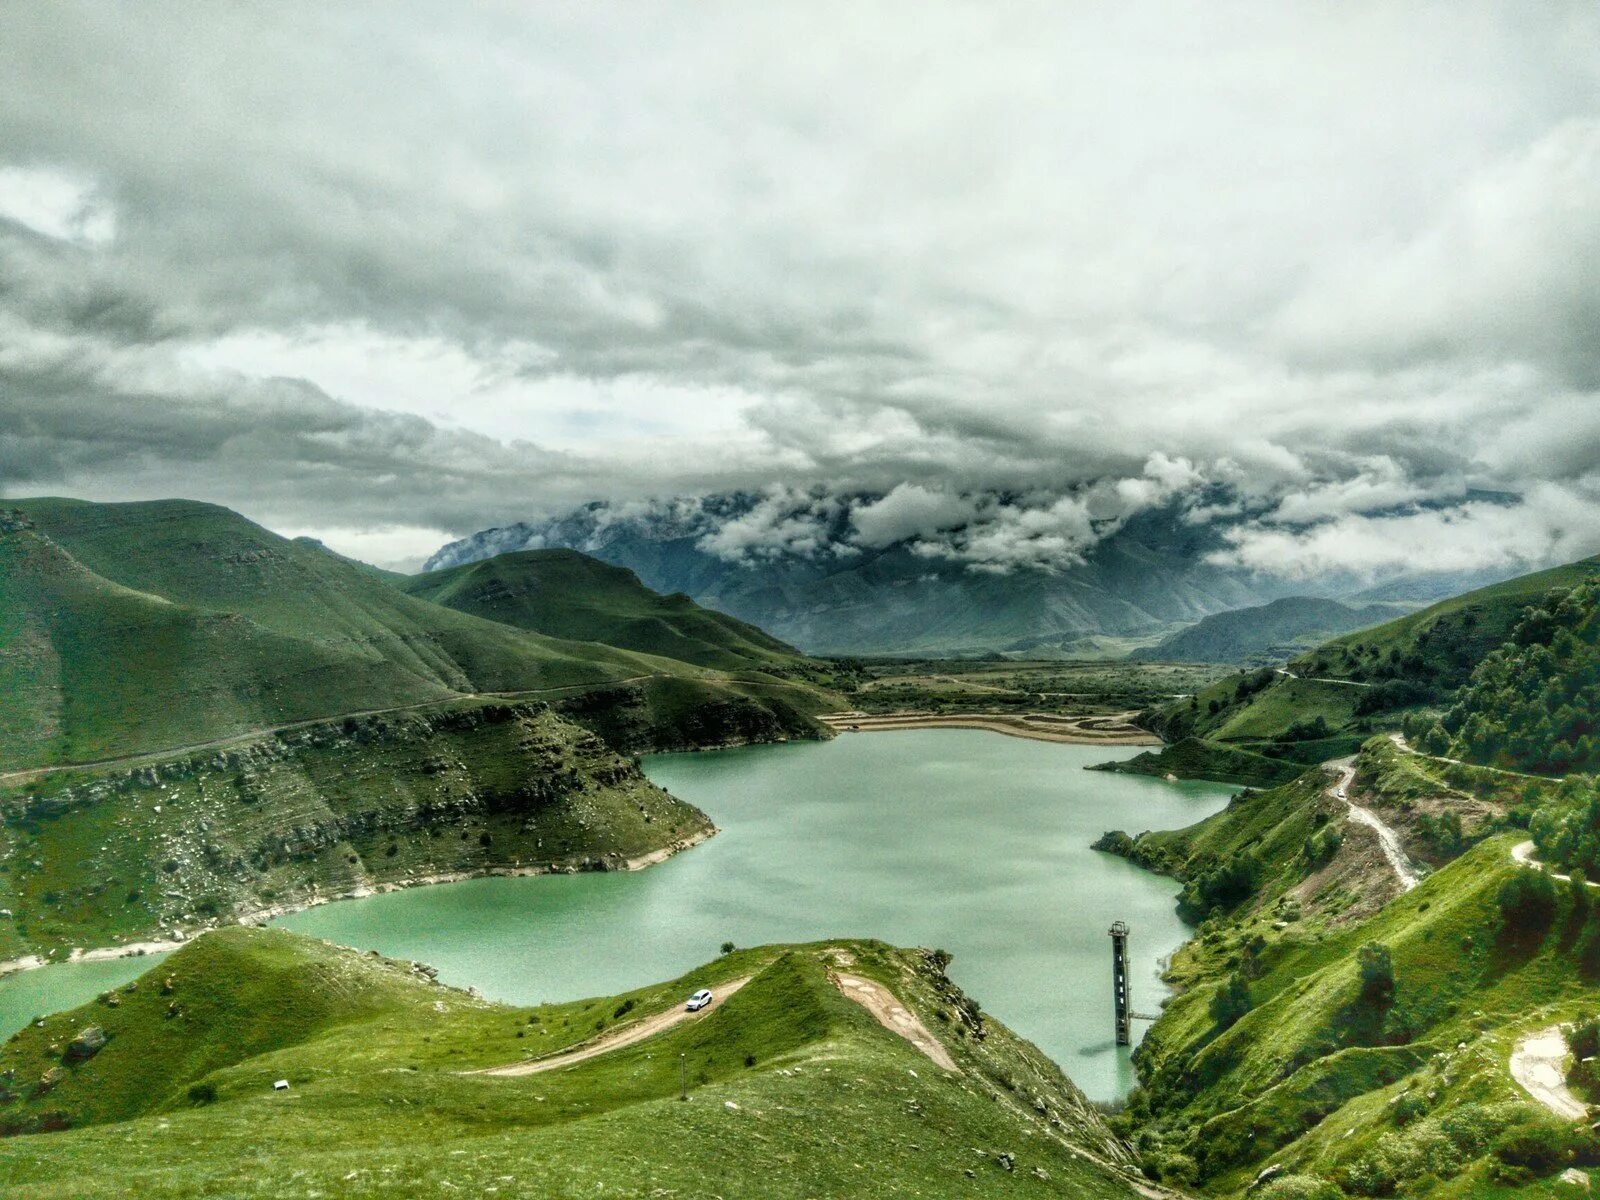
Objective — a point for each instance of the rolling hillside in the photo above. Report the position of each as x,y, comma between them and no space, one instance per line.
1331,697
144,627
1271,632
570,595
1347,1036
164,1088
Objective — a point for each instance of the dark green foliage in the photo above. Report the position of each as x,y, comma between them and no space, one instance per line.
1392,694
1527,904
1376,970
1222,885
1534,704
1541,1146
1567,832
1306,731
1232,1001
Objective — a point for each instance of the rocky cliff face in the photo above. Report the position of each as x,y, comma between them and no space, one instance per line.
323,810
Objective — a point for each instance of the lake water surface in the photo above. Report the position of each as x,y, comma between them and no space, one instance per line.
968,840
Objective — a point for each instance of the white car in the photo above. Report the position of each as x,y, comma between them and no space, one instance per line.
699,1000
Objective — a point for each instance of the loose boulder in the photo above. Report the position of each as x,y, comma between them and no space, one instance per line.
89,1042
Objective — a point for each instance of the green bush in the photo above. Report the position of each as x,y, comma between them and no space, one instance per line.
1231,1001
1377,975
1527,903
1300,1187
202,1093
1538,1147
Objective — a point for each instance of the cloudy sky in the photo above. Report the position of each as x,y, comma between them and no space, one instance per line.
392,273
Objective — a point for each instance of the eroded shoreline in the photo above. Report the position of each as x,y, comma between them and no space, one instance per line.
263,916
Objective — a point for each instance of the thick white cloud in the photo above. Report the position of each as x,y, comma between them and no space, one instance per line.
354,268
1550,524
909,511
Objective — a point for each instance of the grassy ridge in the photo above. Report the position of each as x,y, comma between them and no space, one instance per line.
144,627
569,595
90,858
1403,1090
796,1091
1194,758
1333,697
1443,643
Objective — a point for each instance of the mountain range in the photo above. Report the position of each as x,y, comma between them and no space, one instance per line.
827,593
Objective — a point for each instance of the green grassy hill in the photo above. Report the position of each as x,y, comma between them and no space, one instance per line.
144,627
1534,704
1440,645
1193,758
795,1091
1266,632
1329,699
569,595
1352,1071
92,858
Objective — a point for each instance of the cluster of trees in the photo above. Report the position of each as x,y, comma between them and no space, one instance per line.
1530,901
1221,885
1533,704
1567,832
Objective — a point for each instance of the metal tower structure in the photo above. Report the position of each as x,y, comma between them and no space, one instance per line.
1121,997
1119,982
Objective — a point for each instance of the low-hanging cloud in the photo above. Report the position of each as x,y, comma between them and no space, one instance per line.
990,296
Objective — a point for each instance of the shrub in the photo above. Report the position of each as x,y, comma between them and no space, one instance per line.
1300,1187
1527,903
727,947
202,1093
1535,1148
1231,1001
1377,975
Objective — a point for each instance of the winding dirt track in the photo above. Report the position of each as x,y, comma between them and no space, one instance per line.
1388,840
628,1035
894,1016
1537,1063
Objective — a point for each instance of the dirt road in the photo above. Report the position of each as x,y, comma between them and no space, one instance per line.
628,1035
1538,1063
1388,840
894,1016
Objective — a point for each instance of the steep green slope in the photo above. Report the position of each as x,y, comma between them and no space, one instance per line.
1534,704
569,595
795,1091
141,627
1330,698
328,809
1352,1036
1266,632
1439,646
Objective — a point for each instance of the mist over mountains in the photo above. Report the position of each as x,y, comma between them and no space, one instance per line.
914,571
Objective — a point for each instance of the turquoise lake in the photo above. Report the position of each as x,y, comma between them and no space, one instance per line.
967,840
